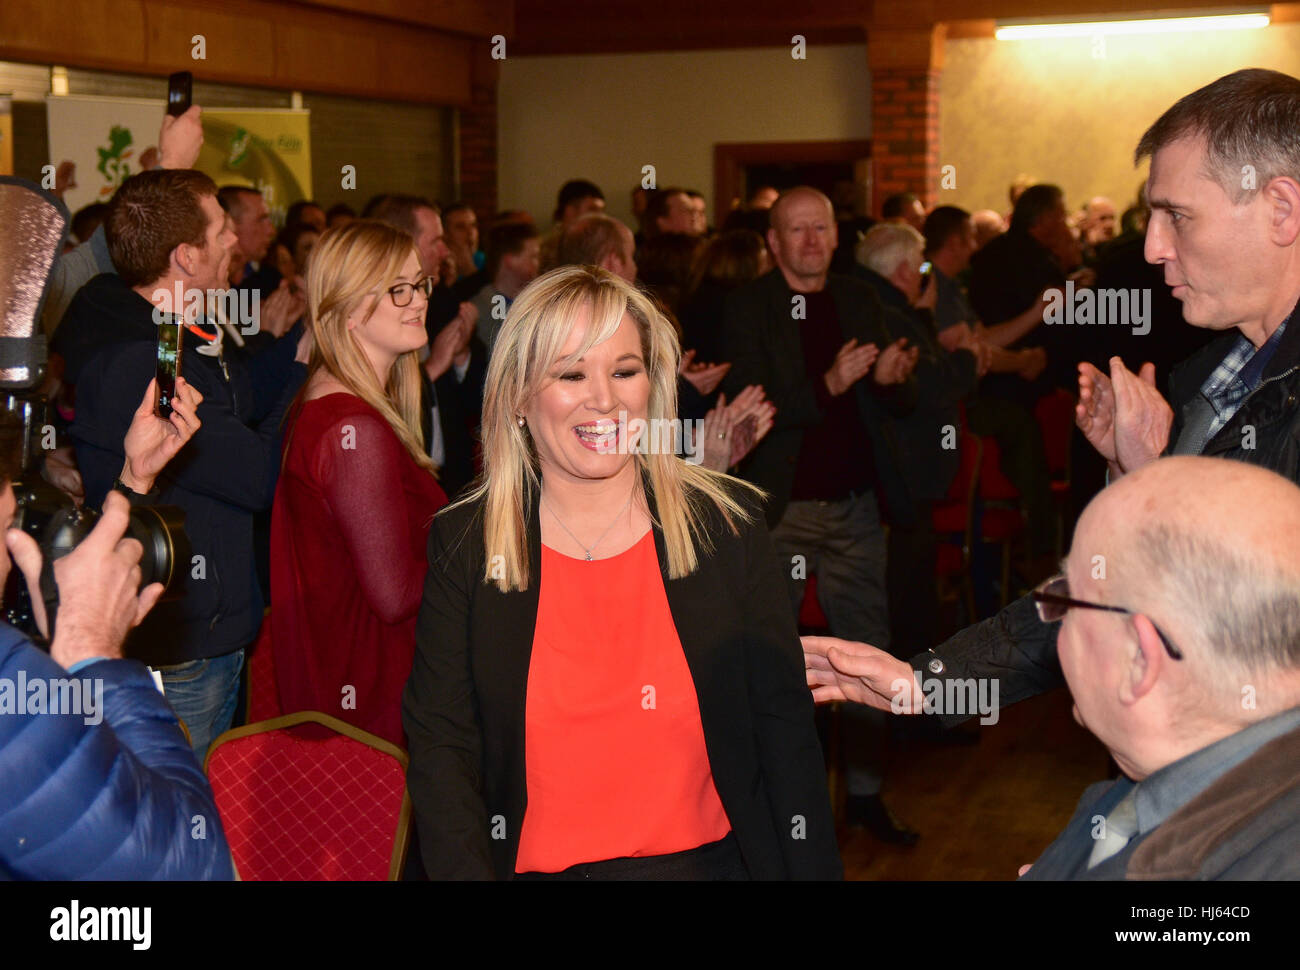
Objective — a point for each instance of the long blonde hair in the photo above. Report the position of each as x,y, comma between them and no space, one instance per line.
349,263
535,331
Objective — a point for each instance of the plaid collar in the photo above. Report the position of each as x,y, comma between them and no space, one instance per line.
1237,375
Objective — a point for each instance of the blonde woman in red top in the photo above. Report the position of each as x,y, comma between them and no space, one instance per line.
357,492
608,682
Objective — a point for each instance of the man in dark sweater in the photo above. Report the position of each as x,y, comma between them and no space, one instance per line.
822,348
170,242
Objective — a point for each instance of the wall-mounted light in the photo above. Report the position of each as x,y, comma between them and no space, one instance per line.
1204,21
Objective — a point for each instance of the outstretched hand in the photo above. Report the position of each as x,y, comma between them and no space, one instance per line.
841,670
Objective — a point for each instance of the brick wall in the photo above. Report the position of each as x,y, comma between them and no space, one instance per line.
478,151
905,133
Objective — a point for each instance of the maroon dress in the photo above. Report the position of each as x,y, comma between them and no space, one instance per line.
348,532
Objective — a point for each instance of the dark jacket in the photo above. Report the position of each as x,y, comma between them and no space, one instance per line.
460,411
464,706
943,381
1006,277
1014,645
225,474
118,799
1245,826
761,340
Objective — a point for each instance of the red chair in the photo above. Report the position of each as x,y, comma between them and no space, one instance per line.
1001,518
1055,415
263,701
308,797
953,520
811,616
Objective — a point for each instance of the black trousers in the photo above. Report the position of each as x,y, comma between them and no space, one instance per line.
713,862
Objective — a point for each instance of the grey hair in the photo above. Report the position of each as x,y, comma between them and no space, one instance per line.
886,245
1237,617
1250,121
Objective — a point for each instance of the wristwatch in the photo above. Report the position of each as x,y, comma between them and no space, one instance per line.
132,495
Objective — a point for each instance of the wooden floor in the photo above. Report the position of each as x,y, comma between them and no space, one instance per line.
982,810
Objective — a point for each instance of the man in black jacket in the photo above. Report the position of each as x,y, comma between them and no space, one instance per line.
823,349
1225,226
170,242
890,256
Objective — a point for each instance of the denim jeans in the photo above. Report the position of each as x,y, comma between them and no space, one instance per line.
203,694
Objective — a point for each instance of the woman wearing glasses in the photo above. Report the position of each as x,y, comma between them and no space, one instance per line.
607,681
357,490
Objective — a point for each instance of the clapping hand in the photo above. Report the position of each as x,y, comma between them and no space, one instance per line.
705,378
1123,416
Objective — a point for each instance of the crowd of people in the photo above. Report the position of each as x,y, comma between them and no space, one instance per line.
416,474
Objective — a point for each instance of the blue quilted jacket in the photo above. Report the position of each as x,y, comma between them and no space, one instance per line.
120,799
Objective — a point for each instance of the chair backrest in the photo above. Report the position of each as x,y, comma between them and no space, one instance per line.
263,693
307,796
1055,415
994,486
811,616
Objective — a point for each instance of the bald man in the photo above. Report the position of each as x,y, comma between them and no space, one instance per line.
1179,638
831,360
1181,647
988,225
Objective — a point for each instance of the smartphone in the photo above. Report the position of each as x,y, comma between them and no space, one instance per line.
168,367
180,92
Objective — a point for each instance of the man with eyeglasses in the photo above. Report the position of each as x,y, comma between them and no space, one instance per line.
1178,633
1225,226
1180,642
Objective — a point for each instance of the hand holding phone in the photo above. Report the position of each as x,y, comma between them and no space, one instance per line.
180,92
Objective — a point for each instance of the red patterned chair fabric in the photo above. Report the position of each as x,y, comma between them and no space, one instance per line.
308,797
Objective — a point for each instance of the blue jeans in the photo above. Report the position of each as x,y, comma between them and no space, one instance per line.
203,693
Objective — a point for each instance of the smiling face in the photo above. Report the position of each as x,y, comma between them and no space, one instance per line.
1216,255
574,417
391,330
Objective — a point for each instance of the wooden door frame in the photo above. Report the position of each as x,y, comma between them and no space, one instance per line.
729,160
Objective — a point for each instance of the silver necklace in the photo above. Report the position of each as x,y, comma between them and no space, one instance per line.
592,548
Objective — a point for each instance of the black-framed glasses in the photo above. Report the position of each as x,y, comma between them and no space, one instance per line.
1053,601
404,293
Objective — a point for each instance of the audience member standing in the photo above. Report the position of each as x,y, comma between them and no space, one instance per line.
357,492
820,345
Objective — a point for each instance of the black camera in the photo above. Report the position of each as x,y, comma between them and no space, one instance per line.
58,526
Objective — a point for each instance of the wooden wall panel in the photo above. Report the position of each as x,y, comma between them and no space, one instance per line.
270,43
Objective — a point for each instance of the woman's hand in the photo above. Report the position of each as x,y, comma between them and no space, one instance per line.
151,442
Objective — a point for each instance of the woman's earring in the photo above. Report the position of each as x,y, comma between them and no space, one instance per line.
521,420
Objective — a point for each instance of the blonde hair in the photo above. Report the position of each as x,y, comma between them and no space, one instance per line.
350,262
536,329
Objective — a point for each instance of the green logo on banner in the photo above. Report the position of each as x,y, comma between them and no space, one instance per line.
239,145
112,160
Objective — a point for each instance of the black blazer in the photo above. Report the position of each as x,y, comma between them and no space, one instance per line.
464,706
761,340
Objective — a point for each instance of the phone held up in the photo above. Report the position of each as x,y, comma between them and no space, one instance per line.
168,366
180,92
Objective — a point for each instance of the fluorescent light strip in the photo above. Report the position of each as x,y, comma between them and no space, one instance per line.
1169,25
